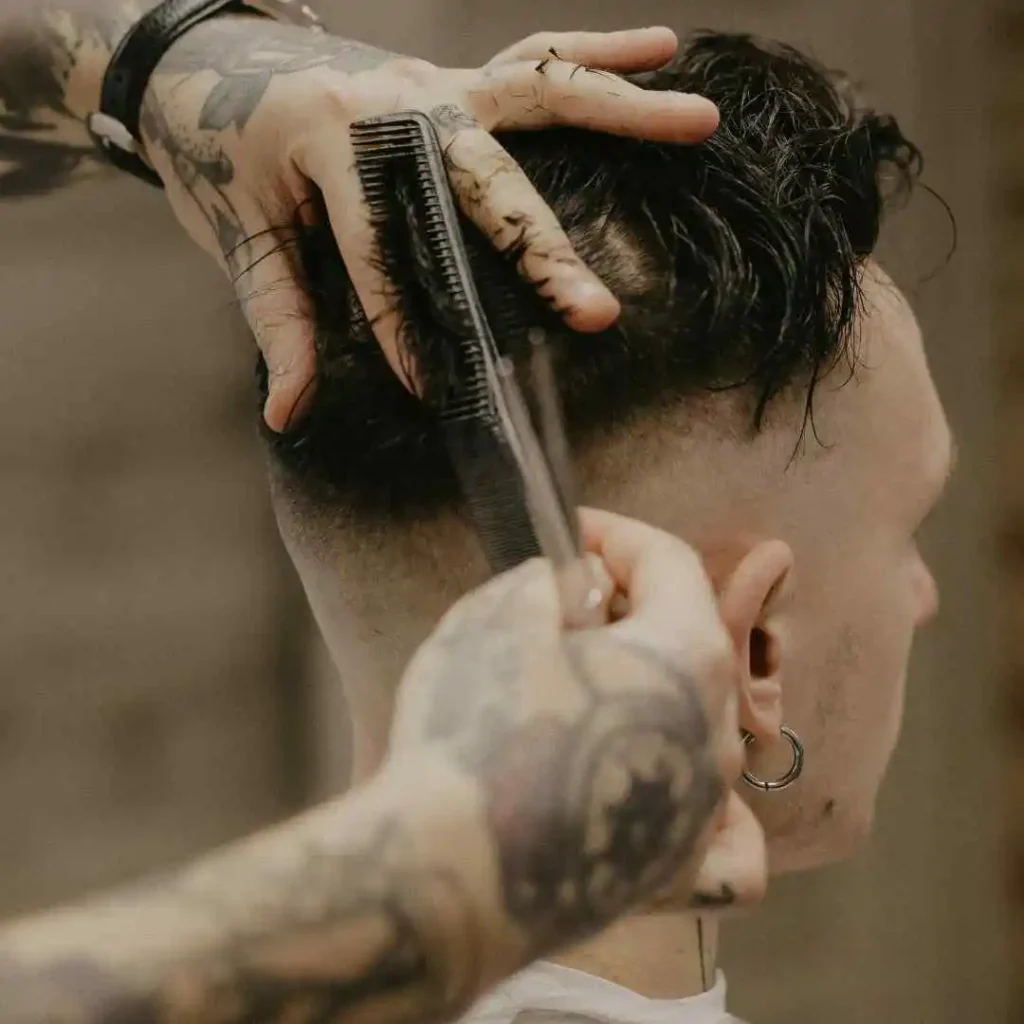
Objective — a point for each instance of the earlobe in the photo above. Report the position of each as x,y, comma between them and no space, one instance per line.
751,604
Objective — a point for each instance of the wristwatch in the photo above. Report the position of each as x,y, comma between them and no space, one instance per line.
115,126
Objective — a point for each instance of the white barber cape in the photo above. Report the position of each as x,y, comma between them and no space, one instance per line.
550,994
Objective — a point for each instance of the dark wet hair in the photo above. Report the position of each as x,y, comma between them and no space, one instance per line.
737,262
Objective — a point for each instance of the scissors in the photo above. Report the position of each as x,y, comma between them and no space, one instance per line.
542,454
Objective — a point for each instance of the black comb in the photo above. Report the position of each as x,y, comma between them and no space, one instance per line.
402,170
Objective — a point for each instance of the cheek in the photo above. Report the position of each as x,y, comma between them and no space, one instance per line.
858,704
845,688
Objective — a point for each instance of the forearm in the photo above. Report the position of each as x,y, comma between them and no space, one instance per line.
384,907
53,55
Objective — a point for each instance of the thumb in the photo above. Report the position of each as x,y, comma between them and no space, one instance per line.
279,314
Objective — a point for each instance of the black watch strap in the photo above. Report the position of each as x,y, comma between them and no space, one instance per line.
115,129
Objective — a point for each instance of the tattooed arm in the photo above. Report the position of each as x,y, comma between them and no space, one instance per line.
538,786
355,911
244,118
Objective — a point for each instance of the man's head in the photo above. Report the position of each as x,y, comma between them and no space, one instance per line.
765,396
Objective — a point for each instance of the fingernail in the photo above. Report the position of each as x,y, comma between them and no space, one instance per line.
301,405
587,293
694,99
284,408
591,307
273,416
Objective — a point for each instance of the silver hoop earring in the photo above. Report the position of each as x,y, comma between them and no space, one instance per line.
792,774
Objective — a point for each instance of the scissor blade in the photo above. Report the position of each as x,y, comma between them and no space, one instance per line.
580,598
552,430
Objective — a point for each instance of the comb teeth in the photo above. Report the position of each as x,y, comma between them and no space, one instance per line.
403,149
495,495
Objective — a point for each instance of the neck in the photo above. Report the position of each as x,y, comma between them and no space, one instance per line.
661,956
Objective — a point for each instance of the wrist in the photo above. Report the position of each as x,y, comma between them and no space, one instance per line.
74,43
444,810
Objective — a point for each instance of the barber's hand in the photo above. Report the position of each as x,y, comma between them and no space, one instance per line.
604,756
242,114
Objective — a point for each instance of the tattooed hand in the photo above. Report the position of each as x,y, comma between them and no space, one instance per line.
538,785
603,754
243,115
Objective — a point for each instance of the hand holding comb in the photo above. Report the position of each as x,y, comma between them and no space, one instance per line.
516,477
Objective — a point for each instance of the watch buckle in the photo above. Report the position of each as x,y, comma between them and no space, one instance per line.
110,131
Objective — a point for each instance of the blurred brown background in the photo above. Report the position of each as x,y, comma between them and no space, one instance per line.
161,688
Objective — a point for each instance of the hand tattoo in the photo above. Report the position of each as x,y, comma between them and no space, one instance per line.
450,118
589,811
203,171
239,58
365,933
247,55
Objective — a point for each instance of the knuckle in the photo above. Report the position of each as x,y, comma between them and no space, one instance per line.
538,42
522,580
337,99
416,71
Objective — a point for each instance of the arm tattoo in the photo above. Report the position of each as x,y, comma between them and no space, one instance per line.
389,909
46,56
53,57
369,934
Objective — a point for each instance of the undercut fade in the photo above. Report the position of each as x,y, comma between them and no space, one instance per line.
737,262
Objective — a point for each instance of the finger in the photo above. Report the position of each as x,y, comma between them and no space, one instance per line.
278,312
532,95
526,595
670,600
634,49
332,166
600,580
496,195
734,872
630,551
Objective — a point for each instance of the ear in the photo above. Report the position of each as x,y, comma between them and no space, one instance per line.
750,603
